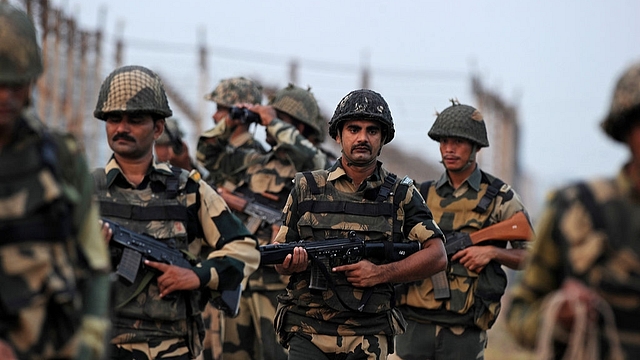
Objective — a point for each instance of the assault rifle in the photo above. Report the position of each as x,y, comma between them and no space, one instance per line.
516,227
257,212
334,252
136,246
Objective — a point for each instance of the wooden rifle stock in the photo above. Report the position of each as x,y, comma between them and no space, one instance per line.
516,227
234,202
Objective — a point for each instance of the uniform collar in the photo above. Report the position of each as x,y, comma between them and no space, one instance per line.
473,181
157,171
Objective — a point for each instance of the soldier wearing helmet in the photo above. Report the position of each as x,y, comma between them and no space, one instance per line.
354,317
53,258
587,250
290,119
227,94
158,315
447,320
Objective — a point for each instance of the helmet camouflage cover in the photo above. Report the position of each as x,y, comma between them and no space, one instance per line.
236,90
461,121
132,89
625,101
20,59
299,103
363,104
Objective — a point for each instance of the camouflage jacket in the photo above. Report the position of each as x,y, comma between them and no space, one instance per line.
51,246
589,231
191,213
220,171
398,217
266,177
475,297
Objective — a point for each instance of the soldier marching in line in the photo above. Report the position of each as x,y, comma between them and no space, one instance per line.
158,316
290,120
354,317
586,256
464,199
54,265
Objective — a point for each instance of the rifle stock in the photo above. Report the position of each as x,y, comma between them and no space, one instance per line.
516,227
256,212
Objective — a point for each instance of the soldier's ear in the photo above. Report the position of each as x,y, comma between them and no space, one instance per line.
158,128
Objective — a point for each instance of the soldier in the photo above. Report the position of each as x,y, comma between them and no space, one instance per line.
171,147
158,315
290,119
228,93
585,258
354,317
54,280
464,199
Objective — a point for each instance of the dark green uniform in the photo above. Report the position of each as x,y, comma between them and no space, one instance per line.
455,328
329,319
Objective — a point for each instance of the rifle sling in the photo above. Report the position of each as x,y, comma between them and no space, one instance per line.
145,281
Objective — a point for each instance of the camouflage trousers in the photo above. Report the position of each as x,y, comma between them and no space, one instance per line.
212,343
329,347
251,335
168,349
434,342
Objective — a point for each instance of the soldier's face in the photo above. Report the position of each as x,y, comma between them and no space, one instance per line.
132,135
13,98
455,153
361,141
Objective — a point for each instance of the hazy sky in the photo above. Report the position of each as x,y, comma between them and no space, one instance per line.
557,61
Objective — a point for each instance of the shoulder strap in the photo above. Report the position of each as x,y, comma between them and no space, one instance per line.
387,186
586,197
424,189
173,182
492,191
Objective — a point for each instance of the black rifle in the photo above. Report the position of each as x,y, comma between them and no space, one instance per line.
136,246
335,252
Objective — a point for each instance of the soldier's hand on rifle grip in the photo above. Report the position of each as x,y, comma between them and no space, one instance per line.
107,232
294,262
174,278
361,274
474,258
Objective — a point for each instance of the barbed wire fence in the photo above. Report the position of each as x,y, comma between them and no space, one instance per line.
76,60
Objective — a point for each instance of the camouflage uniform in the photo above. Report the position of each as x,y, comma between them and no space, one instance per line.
170,204
324,204
54,286
589,231
229,93
267,181
455,327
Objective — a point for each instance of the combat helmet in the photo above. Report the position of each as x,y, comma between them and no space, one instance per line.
299,103
171,133
20,59
132,89
363,104
236,90
461,121
625,104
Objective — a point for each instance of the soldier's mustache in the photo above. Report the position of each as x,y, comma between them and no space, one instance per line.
124,137
361,146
